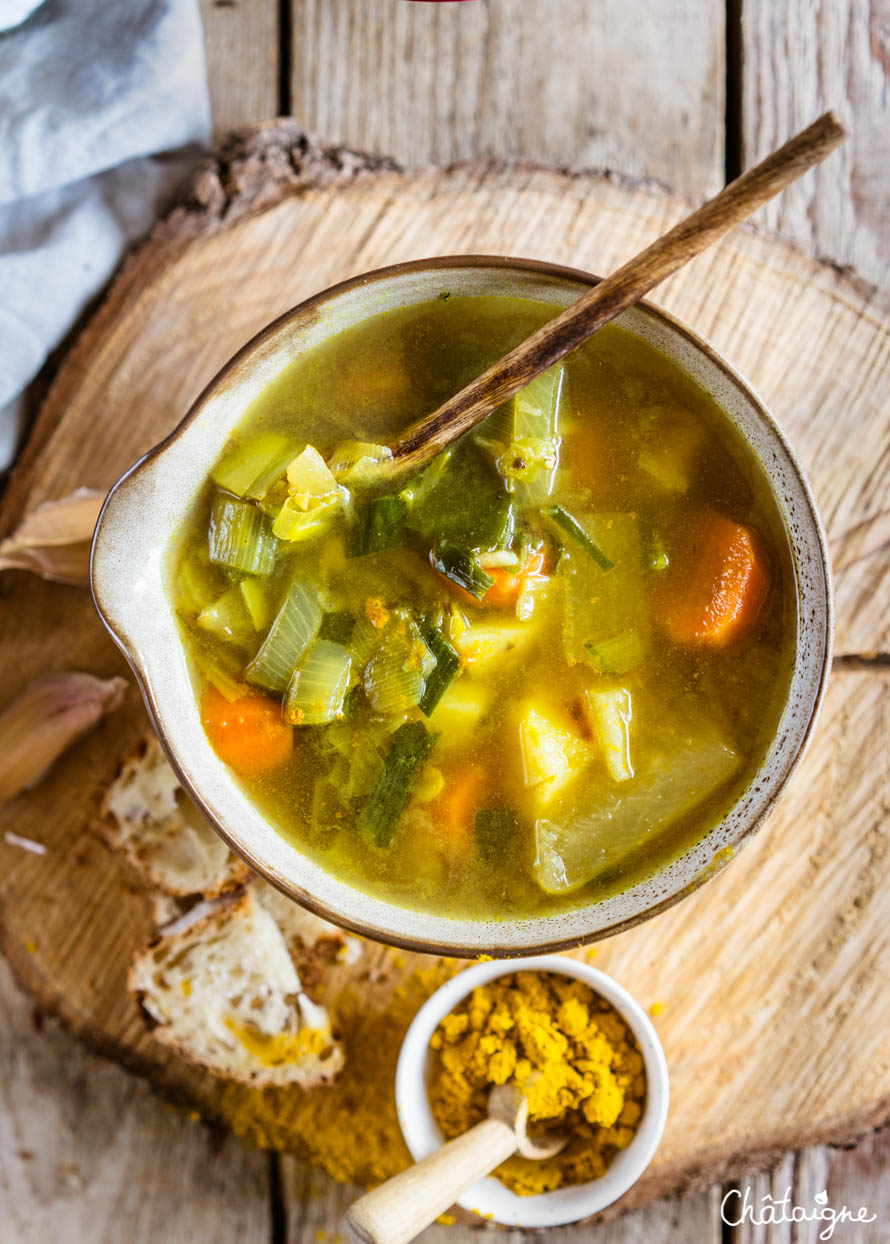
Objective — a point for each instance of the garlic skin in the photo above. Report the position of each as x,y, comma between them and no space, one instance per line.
50,714
54,540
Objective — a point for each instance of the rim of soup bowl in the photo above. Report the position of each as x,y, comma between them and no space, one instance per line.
129,592
488,1196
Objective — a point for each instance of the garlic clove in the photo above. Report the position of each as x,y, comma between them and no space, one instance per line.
54,540
50,714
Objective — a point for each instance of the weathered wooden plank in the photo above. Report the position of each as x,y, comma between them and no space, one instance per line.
859,1177
800,58
812,1183
519,79
241,40
88,1156
315,1206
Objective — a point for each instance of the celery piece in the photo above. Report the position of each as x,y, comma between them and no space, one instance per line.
249,467
256,598
410,746
611,712
240,538
319,684
446,667
293,630
460,566
392,681
596,606
618,654
381,526
570,525
295,524
227,618
497,832
468,505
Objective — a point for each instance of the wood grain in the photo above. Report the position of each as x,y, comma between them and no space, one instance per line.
315,1205
243,58
801,909
88,1156
519,79
799,58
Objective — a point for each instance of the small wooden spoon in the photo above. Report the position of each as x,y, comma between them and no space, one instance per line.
399,1210
555,339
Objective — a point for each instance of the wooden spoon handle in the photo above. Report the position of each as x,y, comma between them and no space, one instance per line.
399,1210
617,292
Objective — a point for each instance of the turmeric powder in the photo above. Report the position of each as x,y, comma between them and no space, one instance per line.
566,1049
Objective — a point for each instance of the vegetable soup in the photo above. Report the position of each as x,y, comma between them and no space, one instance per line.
521,679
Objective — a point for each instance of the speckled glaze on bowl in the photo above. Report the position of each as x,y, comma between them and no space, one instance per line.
145,509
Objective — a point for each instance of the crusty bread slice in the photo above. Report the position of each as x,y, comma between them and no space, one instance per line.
223,991
148,816
303,931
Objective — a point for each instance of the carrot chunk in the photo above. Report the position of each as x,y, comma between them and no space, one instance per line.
454,811
248,734
715,585
508,584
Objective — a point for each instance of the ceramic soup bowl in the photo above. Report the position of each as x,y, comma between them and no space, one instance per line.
131,569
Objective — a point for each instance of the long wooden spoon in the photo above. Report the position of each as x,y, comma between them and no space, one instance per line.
555,339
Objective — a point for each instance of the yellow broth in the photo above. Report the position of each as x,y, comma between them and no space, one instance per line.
621,403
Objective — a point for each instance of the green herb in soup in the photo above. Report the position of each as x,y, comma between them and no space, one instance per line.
521,679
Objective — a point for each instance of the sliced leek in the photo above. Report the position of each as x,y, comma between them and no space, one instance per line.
392,681
316,692
293,630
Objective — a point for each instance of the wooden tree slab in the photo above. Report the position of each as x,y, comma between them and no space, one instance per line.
775,1018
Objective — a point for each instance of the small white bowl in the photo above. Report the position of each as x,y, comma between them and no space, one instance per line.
488,1197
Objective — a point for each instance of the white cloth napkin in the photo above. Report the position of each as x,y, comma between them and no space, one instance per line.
103,109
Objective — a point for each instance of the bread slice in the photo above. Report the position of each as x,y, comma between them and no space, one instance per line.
306,934
222,989
148,816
